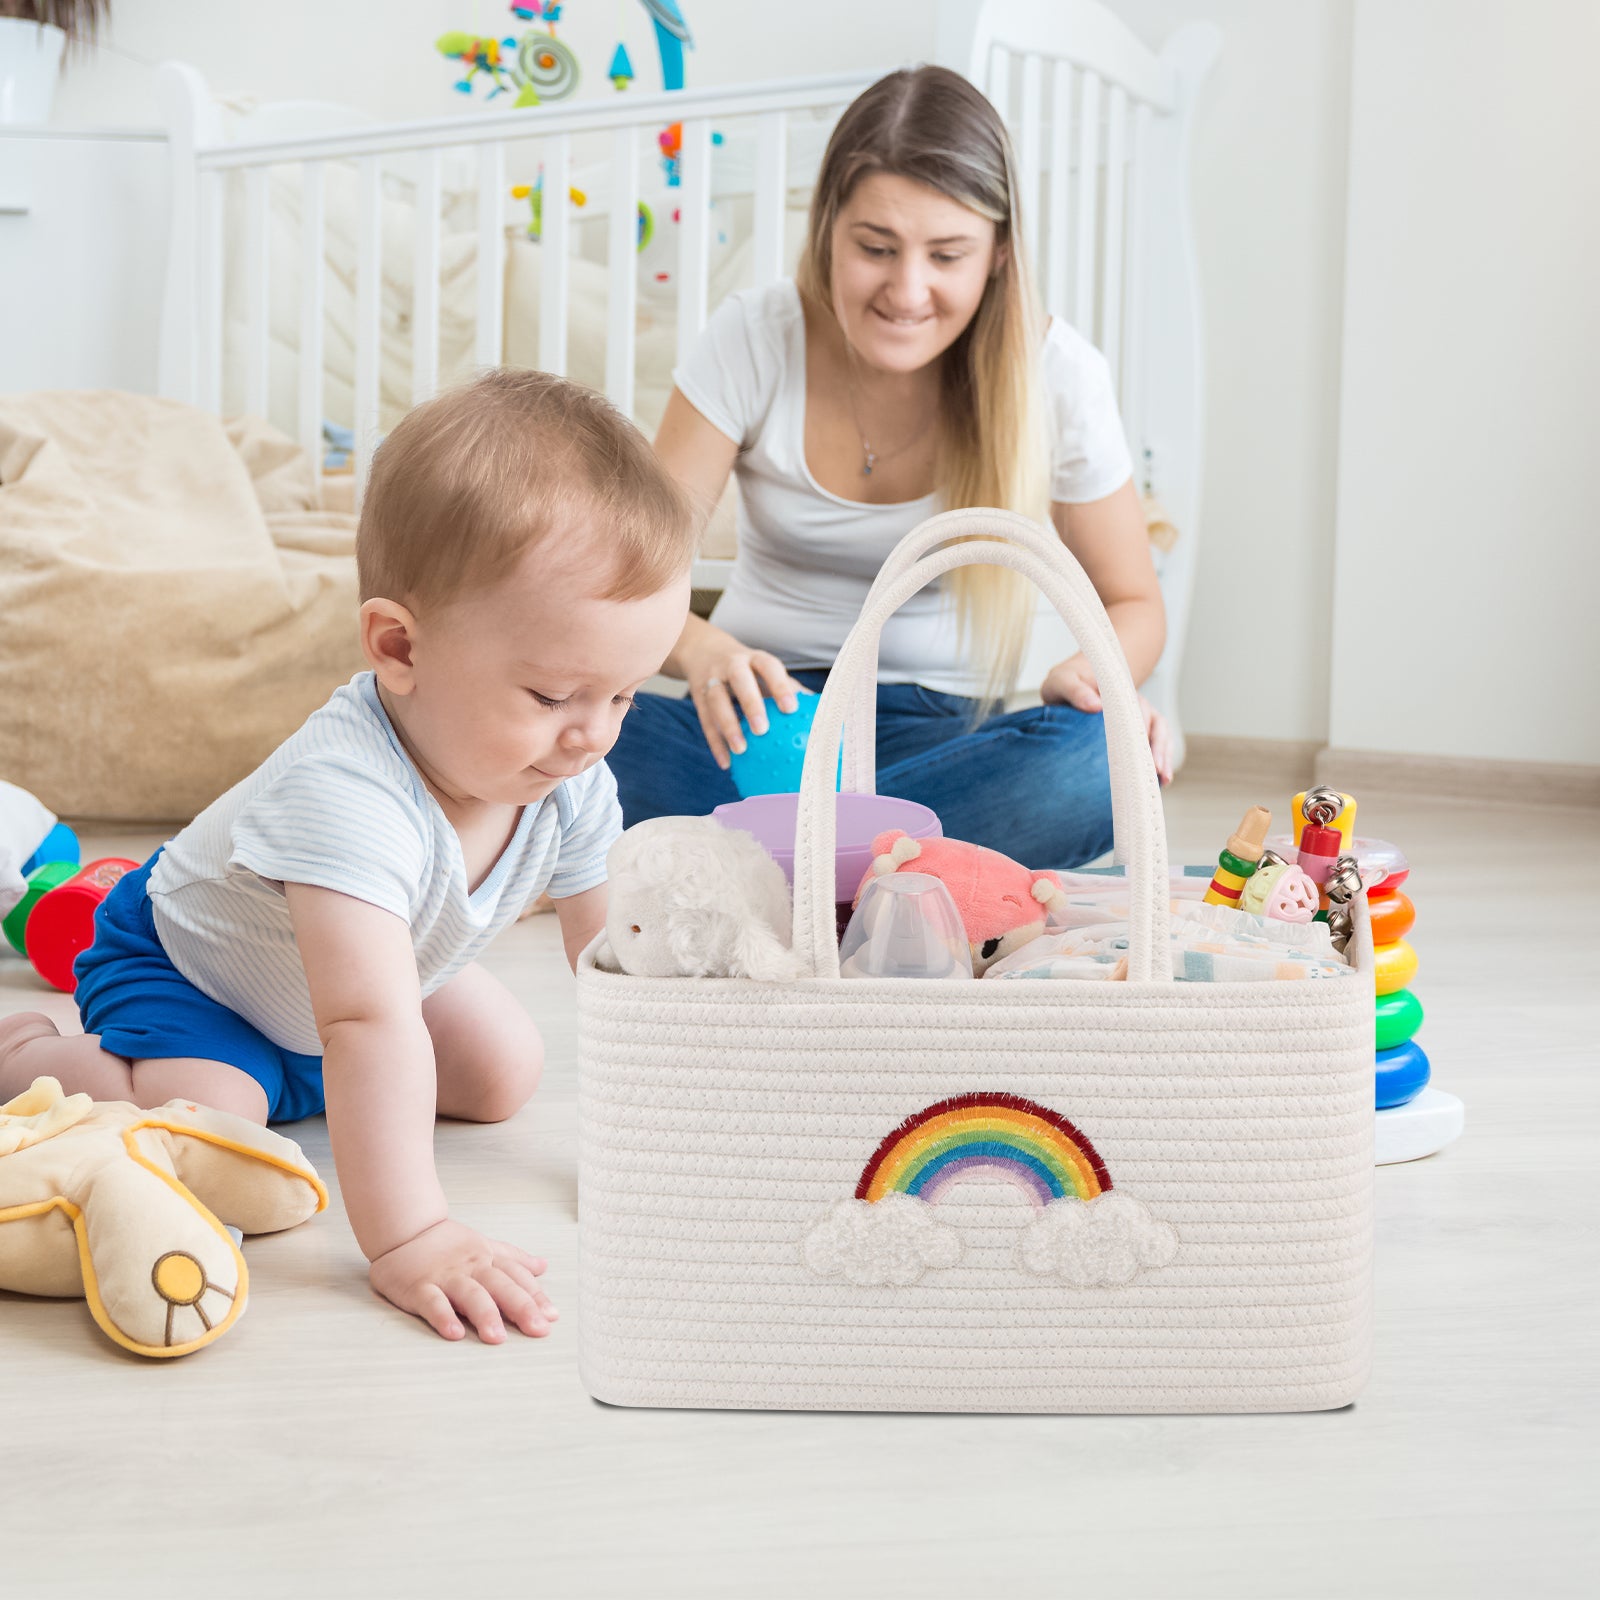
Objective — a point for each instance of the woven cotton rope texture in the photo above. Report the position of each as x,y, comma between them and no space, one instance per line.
724,1123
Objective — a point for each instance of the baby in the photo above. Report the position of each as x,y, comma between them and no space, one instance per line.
309,939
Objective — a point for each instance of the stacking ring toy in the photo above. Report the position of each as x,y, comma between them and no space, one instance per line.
1393,916
1399,1016
1402,1074
1396,966
1420,1127
1378,855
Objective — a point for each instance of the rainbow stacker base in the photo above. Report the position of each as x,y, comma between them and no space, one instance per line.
1421,1127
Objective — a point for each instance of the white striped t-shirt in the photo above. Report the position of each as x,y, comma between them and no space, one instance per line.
340,805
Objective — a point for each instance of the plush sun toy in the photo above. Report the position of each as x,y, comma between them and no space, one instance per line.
128,1208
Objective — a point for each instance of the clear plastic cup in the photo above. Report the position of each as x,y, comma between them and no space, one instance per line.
906,926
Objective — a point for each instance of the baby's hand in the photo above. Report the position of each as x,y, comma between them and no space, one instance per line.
448,1273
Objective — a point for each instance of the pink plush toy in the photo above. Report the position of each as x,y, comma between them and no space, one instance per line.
1002,905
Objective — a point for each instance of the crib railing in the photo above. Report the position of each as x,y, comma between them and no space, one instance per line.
1101,128
1100,124
192,346
1083,114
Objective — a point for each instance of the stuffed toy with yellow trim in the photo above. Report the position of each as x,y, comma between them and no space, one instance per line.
129,1208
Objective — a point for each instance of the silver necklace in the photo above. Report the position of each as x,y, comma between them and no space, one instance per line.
870,457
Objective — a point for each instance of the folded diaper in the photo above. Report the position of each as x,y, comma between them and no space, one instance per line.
1210,944
1100,894
1059,955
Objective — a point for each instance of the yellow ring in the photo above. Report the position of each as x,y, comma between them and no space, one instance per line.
1395,966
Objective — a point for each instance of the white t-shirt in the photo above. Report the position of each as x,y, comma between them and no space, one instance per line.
807,557
340,805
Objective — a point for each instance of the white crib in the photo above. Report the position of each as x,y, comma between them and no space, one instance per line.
1101,127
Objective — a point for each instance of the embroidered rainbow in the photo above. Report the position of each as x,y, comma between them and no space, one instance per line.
995,1135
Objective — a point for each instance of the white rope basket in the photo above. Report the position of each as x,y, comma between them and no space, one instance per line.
1032,1195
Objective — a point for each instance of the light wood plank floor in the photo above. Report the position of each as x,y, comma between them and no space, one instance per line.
329,1445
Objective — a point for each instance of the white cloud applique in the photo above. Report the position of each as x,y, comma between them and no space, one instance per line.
1092,1243
892,1240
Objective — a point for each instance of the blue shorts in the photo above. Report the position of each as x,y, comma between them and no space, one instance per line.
142,1007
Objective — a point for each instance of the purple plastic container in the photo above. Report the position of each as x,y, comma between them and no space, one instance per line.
860,819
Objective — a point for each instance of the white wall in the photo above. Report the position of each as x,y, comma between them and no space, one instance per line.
1268,185
1469,479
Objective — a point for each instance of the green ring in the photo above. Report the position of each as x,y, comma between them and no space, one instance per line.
1399,1015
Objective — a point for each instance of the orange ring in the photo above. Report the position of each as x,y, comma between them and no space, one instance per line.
1393,917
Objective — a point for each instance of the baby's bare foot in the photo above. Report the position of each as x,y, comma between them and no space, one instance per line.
23,1026
17,1033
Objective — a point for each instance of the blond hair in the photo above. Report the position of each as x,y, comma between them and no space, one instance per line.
472,479
930,125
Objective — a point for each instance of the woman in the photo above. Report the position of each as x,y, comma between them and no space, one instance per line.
904,372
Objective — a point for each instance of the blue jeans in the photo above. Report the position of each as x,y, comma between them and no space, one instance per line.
1032,783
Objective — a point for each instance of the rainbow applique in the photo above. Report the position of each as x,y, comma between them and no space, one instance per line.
1082,1234
992,1135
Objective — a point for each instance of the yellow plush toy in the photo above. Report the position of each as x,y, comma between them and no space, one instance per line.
121,1205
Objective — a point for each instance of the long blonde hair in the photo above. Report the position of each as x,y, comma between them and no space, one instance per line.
930,125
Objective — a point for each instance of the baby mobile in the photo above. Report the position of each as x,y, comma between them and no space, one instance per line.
537,66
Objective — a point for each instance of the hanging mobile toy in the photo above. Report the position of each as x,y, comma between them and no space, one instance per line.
672,34
548,69
533,193
670,143
620,72
477,55
537,66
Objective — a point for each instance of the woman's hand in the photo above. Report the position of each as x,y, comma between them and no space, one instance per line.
1072,683
725,676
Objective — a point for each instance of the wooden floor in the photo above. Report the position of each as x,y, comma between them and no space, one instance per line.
329,1445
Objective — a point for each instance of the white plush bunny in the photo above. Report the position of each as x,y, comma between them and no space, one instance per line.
690,898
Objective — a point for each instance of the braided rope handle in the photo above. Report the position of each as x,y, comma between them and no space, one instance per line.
848,711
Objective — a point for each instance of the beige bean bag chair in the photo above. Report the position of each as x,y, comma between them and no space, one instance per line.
127,1207
174,603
